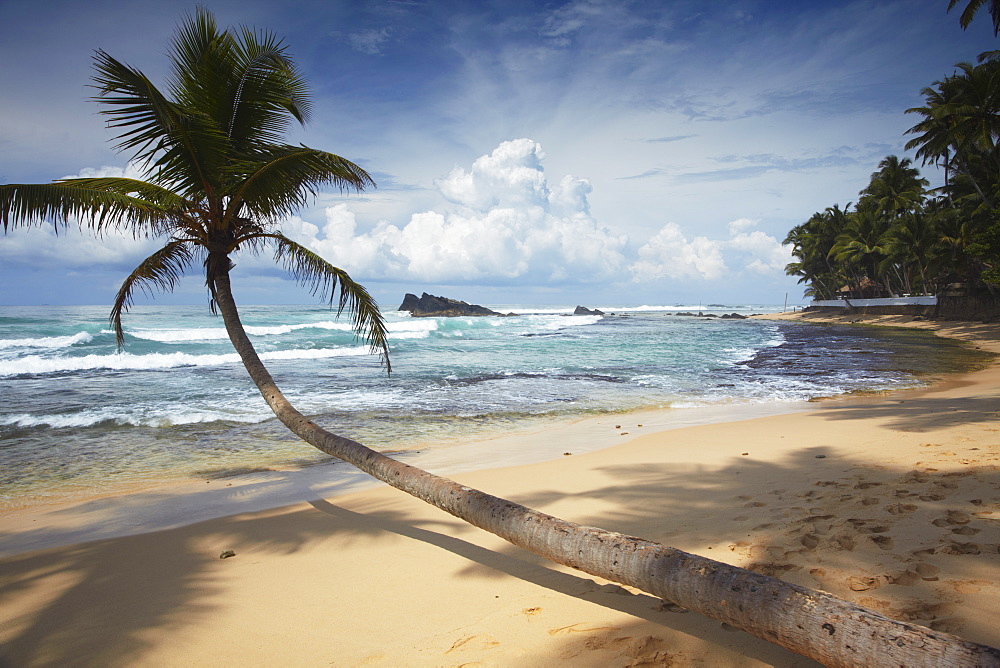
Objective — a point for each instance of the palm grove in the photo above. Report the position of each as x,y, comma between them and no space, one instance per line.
218,181
901,238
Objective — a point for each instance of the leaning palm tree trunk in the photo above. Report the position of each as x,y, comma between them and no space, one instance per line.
814,624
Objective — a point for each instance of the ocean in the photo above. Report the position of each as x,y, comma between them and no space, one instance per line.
80,418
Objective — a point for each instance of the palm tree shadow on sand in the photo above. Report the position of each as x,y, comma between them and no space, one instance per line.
831,524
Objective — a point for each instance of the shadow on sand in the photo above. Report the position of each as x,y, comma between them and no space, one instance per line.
895,540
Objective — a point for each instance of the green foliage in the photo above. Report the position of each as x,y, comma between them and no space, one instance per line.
973,6
902,239
217,179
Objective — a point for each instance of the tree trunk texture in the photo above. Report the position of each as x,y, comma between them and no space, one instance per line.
811,623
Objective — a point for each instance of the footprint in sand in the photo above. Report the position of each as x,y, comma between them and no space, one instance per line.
845,542
809,541
968,586
958,548
476,642
865,582
754,504
952,518
901,508
866,485
928,572
580,627
905,578
884,542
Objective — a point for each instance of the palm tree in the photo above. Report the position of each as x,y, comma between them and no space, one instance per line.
974,6
896,188
218,182
859,249
961,124
812,242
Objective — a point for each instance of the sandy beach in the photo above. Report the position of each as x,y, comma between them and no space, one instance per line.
892,502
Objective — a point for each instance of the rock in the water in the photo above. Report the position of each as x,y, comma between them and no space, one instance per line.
582,310
430,306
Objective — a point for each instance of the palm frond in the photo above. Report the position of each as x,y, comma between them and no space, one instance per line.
322,278
160,271
285,178
270,89
973,6
97,207
242,80
183,147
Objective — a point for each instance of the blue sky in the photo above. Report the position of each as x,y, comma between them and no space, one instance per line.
594,152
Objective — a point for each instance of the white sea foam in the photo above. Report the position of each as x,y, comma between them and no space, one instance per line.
34,364
737,355
412,329
163,416
216,333
47,341
553,323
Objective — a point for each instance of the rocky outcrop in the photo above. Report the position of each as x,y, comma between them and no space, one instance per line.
430,306
583,310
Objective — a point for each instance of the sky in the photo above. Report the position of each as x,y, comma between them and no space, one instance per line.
595,152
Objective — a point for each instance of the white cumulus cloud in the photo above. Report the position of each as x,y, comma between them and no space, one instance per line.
507,224
670,254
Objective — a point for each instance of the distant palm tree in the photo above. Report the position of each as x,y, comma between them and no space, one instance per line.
896,188
974,6
961,124
218,182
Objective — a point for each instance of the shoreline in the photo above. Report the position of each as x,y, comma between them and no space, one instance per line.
890,501
180,503
456,455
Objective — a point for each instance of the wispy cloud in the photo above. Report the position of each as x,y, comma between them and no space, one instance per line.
761,164
664,140
369,41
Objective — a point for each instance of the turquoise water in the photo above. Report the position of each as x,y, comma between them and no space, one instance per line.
80,417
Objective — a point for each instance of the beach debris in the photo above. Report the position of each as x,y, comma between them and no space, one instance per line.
566,454
226,554
820,456
744,453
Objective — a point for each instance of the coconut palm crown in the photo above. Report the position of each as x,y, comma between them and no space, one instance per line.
217,178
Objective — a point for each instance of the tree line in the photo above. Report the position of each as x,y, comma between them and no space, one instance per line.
902,238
